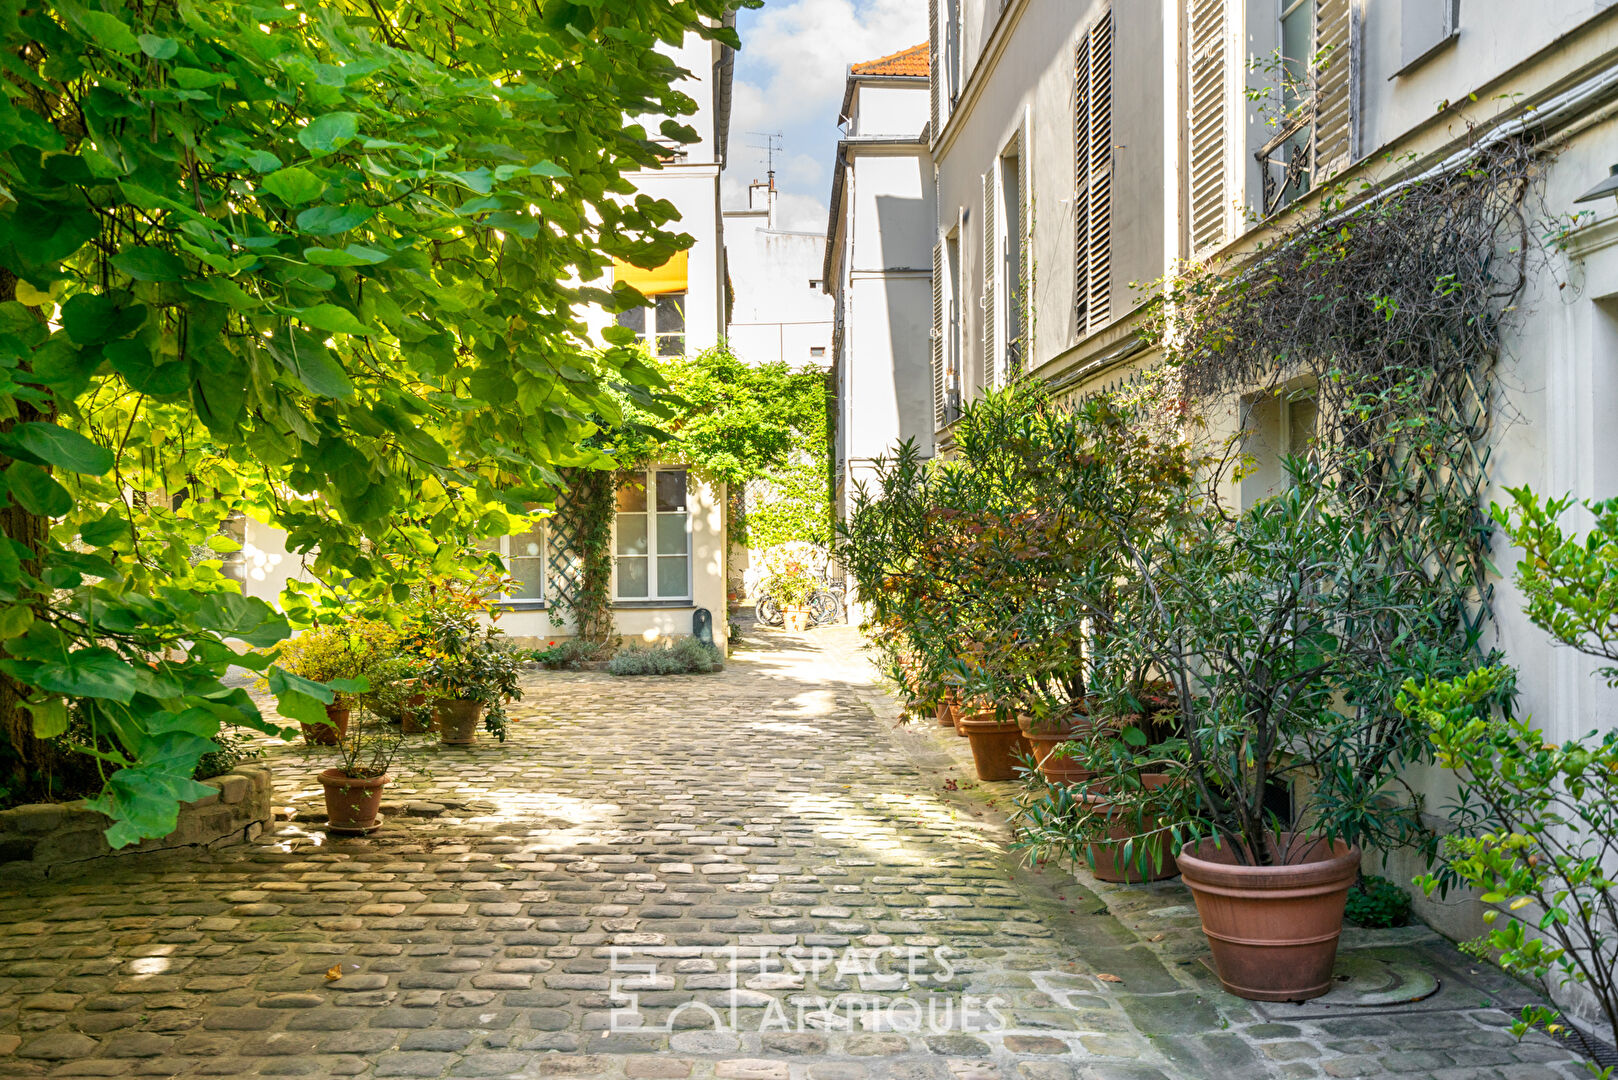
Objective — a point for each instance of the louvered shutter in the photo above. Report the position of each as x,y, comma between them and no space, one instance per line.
1207,92
991,298
1081,182
933,42
1333,83
1025,250
938,335
1098,250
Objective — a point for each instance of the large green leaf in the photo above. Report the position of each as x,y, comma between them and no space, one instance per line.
326,133
60,447
149,264
36,490
94,672
293,185
331,318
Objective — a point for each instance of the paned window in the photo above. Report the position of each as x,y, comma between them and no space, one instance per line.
652,537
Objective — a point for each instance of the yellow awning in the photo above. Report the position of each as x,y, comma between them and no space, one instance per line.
670,277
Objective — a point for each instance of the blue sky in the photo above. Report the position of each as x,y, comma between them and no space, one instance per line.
789,78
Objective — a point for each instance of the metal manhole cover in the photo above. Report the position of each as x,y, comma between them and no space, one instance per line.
1370,982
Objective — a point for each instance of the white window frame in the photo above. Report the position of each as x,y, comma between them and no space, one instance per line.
649,477
503,549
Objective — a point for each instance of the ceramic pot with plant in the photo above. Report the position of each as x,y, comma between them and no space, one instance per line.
1277,632
347,655
1047,731
997,743
471,676
353,787
397,694
792,583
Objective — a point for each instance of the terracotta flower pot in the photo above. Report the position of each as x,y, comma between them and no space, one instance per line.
321,735
996,745
414,721
458,721
797,618
1043,739
945,713
351,801
1273,929
1110,864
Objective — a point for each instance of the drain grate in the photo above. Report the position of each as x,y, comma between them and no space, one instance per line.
1604,1054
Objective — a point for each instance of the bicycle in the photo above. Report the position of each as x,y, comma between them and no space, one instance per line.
825,606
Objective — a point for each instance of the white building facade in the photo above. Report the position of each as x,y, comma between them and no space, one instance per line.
1085,146
878,268
779,313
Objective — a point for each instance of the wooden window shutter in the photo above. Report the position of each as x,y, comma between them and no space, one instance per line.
1333,85
1210,59
938,336
1098,249
1025,240
1081,182
991,358
933,42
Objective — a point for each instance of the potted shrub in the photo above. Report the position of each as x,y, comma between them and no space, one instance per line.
398,695
354,785
1277,632
997,742
469,675
792,583
345,653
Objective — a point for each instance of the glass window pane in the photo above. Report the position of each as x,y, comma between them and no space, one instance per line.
530,544
671,313
530,575
635,319
672,579
670,490
671,534
631,534
632,577
671,345
632,495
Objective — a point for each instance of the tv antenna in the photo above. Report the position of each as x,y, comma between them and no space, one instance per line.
770,145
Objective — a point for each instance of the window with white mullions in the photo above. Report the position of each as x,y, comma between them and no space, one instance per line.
524,557
652,537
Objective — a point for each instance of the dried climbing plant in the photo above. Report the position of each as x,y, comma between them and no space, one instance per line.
1389,300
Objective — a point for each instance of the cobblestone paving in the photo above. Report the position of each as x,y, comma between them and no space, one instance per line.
759,847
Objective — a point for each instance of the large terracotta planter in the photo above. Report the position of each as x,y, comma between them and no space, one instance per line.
1108,855
458,721
945,714
321,734
352,802
1043,739
996,745
797,618
1273,929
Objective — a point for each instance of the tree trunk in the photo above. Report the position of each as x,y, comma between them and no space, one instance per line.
30,530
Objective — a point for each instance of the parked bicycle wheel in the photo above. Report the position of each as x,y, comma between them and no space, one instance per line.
767,611
824,608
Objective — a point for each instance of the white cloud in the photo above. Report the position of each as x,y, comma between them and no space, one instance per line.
790,76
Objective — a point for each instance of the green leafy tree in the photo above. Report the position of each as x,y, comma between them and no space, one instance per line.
317,264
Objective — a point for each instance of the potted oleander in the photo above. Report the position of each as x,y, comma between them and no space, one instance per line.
1278,632
469,675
